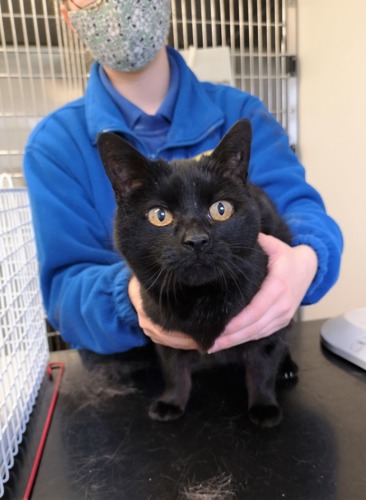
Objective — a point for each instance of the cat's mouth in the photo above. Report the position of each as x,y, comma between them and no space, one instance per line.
196,272
196,268
198,275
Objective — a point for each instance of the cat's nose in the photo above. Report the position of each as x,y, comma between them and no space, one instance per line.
195,241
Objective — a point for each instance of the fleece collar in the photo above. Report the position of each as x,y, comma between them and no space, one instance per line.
195,115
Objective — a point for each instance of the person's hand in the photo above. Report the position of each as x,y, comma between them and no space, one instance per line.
173,339
290,273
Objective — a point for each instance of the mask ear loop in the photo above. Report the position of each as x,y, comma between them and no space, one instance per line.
94,5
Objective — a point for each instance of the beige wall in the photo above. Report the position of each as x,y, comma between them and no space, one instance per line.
332,132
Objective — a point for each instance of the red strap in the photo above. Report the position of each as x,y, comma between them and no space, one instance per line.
50,366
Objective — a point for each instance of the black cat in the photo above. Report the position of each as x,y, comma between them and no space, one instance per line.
188,230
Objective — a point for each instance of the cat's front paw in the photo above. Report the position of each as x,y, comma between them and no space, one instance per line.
165,412
288,371
265,415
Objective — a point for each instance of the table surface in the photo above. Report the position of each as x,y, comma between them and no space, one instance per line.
102,444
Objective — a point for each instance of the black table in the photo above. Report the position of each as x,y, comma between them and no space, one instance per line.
102,445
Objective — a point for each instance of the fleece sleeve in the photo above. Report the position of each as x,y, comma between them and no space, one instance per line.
275,168
83,279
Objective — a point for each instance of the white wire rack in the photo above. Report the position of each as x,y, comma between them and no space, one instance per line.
23,338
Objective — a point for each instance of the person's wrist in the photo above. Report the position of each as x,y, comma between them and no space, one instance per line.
309,260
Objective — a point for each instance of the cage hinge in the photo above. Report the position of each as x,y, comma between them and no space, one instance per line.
291,65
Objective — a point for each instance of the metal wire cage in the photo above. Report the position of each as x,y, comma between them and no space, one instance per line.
23,340
261,37
42,66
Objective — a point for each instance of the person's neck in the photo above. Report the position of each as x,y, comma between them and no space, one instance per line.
147,87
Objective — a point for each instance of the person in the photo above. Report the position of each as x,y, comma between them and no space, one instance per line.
142,89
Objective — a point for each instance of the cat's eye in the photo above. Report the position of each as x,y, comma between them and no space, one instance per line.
160,216
221,210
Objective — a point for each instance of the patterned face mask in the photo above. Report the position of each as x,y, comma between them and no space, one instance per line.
124,35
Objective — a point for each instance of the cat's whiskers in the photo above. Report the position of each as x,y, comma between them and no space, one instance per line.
240,246
174,288
234,277
149,284
222,276
165,290
243,259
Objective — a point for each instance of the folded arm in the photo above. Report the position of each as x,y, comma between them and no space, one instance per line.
83,279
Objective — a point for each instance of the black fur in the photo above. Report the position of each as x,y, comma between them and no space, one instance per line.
197,273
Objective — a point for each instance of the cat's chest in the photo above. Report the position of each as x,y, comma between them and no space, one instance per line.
195,310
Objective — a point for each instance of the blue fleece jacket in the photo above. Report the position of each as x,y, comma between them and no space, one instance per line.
83,280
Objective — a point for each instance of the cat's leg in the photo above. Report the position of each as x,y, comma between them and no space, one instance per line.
176,367
263,359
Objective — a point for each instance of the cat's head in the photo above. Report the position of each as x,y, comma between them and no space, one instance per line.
188,222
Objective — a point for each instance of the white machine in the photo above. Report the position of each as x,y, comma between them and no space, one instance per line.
345,335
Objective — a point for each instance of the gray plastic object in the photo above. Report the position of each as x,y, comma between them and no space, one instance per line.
345,335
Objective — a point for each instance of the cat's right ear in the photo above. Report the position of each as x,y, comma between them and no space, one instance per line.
126,167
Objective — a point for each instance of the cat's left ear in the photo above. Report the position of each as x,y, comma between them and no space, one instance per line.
126,167
233,152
